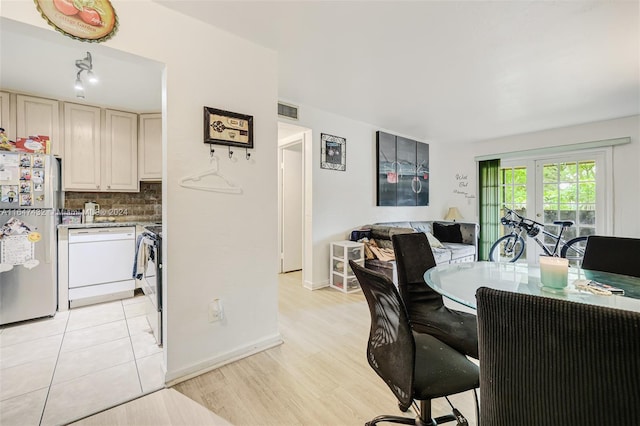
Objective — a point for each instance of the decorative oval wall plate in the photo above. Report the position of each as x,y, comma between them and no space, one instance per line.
84,20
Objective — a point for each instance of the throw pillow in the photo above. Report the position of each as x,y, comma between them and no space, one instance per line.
433,241
447,233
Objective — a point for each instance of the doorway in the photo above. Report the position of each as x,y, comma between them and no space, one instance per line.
57,370
291,196
292,207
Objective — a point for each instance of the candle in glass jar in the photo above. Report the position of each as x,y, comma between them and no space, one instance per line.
554,271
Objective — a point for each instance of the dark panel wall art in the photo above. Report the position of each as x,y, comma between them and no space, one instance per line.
403,171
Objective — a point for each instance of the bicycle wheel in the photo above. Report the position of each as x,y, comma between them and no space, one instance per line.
574,251
507,249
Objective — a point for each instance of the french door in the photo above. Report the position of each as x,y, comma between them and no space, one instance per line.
563,187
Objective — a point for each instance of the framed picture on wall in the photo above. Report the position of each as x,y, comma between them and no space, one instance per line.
402,171
333,154
228,128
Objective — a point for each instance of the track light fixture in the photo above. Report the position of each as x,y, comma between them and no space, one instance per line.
85,64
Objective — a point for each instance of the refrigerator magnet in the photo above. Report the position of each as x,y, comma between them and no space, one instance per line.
9,193
25,160
34,237
37,177
26,200
25,173
38,162
25,187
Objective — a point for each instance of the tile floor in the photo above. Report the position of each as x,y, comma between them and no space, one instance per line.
56,370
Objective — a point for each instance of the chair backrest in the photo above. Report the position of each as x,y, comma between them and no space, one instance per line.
413,258
613,254
391,347
548,361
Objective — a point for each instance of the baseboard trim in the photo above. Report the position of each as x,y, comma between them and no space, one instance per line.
175,377
315,286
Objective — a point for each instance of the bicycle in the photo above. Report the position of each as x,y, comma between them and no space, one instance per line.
510,247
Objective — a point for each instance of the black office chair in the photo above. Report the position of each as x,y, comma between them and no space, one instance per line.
612,254
427,311
415,366
548,361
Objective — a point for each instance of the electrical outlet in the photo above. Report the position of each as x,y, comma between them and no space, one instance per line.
215,311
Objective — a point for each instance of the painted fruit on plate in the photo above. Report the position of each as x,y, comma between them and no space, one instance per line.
66,7
87,20
90,16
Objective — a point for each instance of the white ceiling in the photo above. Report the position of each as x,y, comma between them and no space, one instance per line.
41,62
447,70
434,70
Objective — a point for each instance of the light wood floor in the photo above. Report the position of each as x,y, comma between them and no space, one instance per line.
319,376
164,407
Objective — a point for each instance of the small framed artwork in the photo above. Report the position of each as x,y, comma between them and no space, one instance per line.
228,128
333,154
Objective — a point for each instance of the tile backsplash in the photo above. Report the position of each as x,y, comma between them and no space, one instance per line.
143,206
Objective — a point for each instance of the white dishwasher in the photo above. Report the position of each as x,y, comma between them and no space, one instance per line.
100,264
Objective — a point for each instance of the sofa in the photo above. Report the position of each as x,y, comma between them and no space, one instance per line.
451,242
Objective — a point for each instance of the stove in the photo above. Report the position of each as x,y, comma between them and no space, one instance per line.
154,229
151,282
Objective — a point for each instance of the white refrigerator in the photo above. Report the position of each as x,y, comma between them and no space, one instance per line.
30,198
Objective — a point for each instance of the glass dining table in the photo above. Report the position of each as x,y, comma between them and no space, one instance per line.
459,282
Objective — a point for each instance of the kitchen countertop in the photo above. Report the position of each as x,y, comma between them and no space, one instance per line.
102,225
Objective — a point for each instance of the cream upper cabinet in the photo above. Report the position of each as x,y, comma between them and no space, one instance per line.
150,147
39,116
102,149
120,150
5,117
82,145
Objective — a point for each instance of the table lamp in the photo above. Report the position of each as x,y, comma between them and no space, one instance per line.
453,214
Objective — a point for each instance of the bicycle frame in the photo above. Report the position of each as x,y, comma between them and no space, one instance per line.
557,245
519,228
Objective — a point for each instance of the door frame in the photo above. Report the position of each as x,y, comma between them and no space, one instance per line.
298,141
305,134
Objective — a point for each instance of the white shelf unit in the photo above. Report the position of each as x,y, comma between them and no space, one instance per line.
341,276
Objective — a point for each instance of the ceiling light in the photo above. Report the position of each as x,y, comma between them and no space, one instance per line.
92,77
78,85
85,64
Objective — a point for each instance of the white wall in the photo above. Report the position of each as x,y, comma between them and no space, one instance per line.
626,158
343,201
216,245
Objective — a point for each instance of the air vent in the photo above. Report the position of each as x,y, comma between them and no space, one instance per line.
288,111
